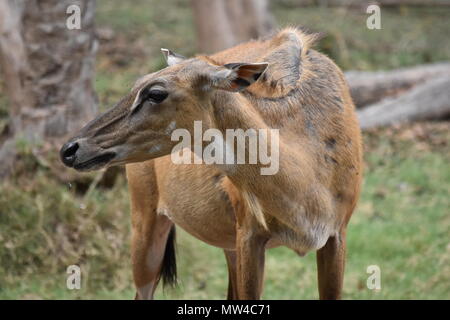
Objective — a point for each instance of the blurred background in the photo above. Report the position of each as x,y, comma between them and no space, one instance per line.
53,80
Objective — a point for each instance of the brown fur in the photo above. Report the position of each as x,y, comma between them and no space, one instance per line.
305,206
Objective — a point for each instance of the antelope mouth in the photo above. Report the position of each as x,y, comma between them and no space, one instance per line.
95,163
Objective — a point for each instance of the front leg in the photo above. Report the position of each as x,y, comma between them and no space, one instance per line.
250,250
232,274
148,251
152,234
251,239
330,267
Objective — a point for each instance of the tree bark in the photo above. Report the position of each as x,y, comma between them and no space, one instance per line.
368,87
221,24
426,101
48,71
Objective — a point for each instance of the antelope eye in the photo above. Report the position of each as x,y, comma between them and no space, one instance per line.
156,95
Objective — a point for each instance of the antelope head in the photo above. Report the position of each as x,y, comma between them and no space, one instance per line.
140,125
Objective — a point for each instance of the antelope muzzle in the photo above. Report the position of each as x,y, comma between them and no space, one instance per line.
82,156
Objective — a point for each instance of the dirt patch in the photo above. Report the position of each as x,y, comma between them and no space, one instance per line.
426,136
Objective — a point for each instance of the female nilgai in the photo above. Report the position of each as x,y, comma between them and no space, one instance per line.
275,83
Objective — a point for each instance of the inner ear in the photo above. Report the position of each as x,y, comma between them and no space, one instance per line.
243,75
171,57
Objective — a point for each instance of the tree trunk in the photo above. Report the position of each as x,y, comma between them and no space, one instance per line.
221,24
48,71
369,87
426,101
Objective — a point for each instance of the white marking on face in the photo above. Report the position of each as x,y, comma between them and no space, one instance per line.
137,100
171,127
155,148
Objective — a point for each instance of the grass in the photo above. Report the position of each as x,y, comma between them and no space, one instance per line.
401,224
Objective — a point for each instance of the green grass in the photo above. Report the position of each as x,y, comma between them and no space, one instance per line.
401,224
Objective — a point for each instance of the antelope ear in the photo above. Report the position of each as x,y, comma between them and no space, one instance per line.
171,57
239,76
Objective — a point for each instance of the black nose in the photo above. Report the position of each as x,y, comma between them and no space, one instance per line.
68,153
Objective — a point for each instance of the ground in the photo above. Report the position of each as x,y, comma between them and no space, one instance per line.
401,224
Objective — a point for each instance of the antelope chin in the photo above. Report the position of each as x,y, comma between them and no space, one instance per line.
95,163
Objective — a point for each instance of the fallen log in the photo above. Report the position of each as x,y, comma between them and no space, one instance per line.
367,87
427,101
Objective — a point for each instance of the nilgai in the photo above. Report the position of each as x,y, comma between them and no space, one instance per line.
278,83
